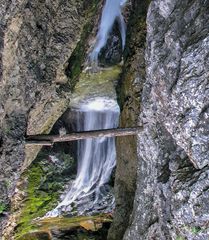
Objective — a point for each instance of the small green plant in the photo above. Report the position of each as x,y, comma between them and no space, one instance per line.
195,230
7,130
3,207
180,238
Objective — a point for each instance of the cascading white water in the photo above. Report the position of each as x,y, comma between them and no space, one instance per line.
111,12
96,157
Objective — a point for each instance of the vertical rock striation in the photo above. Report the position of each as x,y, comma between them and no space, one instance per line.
172,196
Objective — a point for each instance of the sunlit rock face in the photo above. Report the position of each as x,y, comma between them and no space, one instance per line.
172,196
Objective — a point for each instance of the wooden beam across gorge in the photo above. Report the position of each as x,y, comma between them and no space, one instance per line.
49,140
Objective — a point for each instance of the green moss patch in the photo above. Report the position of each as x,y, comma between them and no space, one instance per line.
90,84
44,183
3,207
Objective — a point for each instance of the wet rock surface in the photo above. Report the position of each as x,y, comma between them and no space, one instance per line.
171,200
111,54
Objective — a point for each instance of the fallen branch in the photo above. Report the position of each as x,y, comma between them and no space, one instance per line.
49,140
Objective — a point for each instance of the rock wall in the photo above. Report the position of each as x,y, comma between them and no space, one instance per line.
172,196
37,38
129,90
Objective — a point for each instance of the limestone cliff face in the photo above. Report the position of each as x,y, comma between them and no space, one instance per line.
37,38
172,196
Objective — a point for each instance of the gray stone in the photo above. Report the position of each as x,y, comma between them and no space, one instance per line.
171,200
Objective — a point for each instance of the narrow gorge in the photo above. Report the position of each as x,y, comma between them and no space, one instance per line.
79,66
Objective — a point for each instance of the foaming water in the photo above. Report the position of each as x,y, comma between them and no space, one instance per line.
111,13
96,158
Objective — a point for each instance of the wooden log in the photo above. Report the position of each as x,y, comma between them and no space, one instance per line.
48,140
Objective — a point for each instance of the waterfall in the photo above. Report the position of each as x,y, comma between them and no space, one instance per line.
96,157
111,13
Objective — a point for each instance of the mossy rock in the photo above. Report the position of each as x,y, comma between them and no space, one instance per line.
45,182
102,81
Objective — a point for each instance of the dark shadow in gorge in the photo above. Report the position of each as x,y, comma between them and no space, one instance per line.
81,234
129,93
